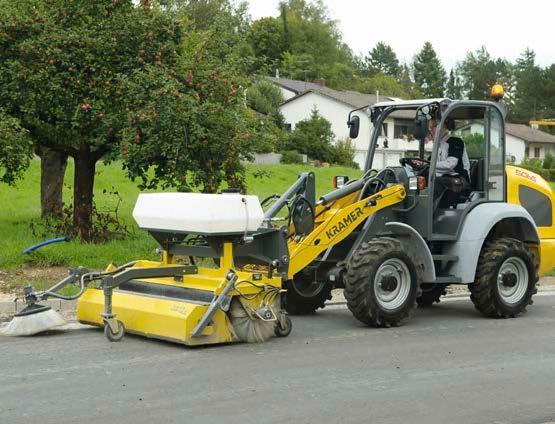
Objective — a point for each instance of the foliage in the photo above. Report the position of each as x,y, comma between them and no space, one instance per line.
532,85
548,161
385,84
266,98
267,39
344,153
382,59
479,72
313,137
106,224
453,89
291,156
266,136
16,147
474,144
429,74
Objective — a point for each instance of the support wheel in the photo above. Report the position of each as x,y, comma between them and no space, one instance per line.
304,295
118,335
283,326
430,294
381,283
505,280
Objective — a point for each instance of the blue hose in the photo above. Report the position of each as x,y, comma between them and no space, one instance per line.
44,243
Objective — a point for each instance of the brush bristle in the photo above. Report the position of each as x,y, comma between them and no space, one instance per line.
248,329
28,325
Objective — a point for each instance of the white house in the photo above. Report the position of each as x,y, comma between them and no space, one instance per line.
521,141
335,105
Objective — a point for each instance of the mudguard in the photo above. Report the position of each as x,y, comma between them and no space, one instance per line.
416,248
475,228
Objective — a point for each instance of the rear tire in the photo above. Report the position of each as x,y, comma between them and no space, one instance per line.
381,283
304,296
430,294
506,279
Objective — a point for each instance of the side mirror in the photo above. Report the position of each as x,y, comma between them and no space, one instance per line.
354,126
340,180
420,127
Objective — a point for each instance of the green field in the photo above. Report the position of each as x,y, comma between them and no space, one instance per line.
20,205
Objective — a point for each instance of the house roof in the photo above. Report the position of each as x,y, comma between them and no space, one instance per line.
353,99
529,134
295,86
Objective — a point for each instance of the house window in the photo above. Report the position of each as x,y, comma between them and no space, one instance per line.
404,131
536,152
527,152
288,127
384,130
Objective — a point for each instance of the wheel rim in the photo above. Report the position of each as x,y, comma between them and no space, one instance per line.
392,283
512,280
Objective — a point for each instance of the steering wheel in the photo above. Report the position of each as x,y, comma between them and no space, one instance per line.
415,163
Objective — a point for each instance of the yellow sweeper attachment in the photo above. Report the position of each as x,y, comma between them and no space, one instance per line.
235,299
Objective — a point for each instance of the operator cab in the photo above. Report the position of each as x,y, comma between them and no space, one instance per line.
478,126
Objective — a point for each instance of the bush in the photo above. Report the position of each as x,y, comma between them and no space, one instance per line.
344,153
313,137
548,162
291,156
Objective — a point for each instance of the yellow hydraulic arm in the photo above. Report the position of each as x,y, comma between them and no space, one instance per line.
337,222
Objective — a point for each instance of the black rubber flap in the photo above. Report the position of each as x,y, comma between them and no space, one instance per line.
32,309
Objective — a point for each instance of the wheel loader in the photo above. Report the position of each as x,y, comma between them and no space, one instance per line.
231,271
391,241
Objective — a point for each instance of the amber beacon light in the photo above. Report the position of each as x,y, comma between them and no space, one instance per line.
497,92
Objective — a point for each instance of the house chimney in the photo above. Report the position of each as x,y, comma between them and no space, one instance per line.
320,81
277,73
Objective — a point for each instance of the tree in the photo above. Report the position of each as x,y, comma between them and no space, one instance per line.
453,89
429,74
16,147
410,89
98,80
313,137
312,41
385,84
530,100
383,59
267,39
479,72
266,98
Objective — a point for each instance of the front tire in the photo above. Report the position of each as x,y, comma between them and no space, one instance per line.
505,279
381,283
304,296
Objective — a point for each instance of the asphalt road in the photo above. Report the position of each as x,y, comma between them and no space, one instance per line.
446,365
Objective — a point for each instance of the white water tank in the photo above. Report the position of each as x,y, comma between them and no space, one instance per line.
198,213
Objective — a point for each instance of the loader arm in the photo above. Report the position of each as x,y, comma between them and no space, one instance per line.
336,223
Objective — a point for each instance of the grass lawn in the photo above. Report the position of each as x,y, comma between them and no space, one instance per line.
20,205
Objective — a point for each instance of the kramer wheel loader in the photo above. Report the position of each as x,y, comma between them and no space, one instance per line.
391,241
231,272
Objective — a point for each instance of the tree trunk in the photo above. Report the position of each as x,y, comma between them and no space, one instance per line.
83,184
52,171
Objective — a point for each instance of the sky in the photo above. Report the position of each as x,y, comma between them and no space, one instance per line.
506,28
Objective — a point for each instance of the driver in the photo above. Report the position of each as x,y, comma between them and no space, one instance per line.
452,161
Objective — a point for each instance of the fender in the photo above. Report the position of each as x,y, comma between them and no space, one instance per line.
417,248
478,224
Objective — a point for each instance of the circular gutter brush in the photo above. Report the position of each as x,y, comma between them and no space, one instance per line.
247,328
32,320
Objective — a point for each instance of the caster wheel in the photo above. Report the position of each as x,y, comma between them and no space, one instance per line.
284,326
118,335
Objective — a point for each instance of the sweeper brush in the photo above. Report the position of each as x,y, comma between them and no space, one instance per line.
34,319
235,296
